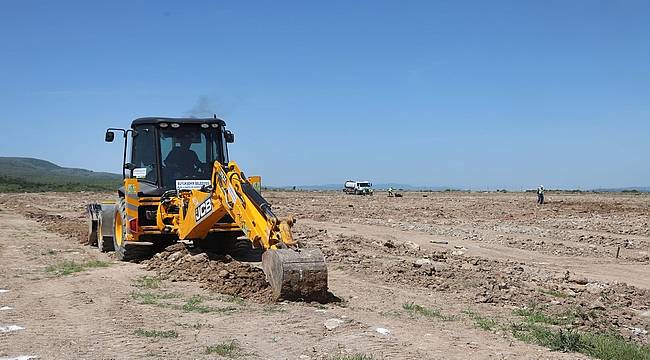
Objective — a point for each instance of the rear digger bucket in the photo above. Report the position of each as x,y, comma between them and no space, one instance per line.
296,274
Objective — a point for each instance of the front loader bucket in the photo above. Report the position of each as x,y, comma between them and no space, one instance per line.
296,274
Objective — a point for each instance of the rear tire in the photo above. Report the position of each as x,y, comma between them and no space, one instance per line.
124,250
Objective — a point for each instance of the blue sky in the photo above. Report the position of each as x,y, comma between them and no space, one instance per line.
475,94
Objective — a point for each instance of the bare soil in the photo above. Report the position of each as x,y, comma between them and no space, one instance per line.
457,253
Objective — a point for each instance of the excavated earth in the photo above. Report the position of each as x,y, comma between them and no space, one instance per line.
581,258
217,272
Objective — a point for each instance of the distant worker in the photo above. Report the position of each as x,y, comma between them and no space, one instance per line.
182,160
540,194
390,192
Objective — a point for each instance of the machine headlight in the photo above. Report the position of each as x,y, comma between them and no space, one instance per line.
175,125
163,125
205,126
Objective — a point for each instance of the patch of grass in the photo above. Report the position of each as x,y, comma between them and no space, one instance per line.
560,340
156,333
96,264
356,356
147,282
481,321
70,267
227,349
194,304
64,268
234,299
551,331
554,293
424,311
533,315
600,346
196,326
612,346
151,298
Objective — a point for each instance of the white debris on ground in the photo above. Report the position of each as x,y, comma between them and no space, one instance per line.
638,331
10,328
382,331
332,324
3,291
21,357
5,308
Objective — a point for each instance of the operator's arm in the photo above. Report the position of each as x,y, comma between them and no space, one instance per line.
170,160
196,163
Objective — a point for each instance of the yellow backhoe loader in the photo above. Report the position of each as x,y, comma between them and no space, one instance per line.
179,185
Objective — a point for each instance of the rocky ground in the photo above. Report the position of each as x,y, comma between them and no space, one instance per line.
428,275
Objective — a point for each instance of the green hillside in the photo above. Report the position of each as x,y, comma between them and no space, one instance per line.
34,175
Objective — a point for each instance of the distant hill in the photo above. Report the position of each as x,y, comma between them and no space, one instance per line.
625,189
18,174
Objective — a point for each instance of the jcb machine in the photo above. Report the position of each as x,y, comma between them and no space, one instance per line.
180,185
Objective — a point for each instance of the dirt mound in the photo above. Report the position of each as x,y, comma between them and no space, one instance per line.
221,273
72,228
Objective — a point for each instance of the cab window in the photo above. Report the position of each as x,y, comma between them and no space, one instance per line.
143,152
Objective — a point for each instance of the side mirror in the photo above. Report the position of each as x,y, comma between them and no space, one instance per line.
109,136
229,136
129,166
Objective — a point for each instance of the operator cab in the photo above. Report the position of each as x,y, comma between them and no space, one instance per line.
173,153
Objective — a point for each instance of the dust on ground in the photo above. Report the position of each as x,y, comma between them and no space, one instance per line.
458,253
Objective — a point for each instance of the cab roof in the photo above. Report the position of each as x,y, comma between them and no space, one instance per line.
158,120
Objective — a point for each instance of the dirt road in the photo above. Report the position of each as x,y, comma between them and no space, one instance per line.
387,260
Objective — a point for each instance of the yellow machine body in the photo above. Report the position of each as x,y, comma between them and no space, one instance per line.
148,213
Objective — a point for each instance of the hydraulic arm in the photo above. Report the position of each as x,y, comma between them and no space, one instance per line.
292,271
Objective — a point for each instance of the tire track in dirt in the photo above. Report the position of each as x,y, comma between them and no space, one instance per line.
46,305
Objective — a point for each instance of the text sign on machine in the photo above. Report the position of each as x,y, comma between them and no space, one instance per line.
139,172
191,184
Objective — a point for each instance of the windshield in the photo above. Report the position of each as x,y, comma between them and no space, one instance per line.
188,152
143,154
364,184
